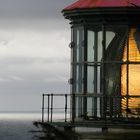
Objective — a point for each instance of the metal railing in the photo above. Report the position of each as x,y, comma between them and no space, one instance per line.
78,105
51,108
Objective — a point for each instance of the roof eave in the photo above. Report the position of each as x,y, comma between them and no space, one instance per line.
68,14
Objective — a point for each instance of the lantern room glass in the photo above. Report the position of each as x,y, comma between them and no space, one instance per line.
106,61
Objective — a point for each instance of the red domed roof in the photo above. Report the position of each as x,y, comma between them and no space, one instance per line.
86,4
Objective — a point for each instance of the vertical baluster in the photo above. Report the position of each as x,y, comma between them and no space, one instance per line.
65,107
51,107
48,107
42,108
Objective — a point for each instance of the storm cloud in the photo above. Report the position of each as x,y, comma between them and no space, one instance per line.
32,8
34,53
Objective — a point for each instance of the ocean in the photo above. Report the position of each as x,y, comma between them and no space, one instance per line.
19,126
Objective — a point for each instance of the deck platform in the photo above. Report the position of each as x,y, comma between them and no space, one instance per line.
94,130
130,124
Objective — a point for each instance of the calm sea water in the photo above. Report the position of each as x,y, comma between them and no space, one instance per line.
19,126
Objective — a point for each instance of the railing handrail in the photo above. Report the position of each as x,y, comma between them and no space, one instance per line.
92,95
66,109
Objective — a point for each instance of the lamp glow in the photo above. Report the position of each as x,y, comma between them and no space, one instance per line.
133,75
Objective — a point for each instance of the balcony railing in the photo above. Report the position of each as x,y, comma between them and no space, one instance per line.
93,107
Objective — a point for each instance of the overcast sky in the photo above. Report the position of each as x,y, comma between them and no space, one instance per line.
34,52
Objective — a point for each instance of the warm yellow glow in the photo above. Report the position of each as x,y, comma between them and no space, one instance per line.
134,54
133,74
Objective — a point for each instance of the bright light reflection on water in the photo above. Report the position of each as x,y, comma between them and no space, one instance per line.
20,116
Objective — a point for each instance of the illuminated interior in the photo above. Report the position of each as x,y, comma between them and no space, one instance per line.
131,74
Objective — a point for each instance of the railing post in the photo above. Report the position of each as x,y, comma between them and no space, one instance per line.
48,107
51,107
65,107
73,107
42,108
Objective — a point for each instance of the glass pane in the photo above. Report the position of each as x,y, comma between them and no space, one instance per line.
109,37
134,88
78,59
90,108
90,79
100,39
78,45
98,107
134,53
90,50
79,107
98,79
77,78
133,75
79,81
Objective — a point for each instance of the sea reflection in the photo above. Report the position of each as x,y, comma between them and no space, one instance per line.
20,116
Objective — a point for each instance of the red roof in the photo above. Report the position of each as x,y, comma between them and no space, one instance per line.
86,4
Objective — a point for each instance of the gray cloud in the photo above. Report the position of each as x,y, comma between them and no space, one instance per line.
32,8
44,25
33,14
27,73
21,60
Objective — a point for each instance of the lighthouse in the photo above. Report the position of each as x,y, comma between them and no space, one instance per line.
105,59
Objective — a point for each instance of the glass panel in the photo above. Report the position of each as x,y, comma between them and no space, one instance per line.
71,68
90,48
134,88
100,39
98,107
78,54
79,107
77,78
132,77
98,79
134,53
78,45
109,37
78,59
81,58
115,40
90,79
90,107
